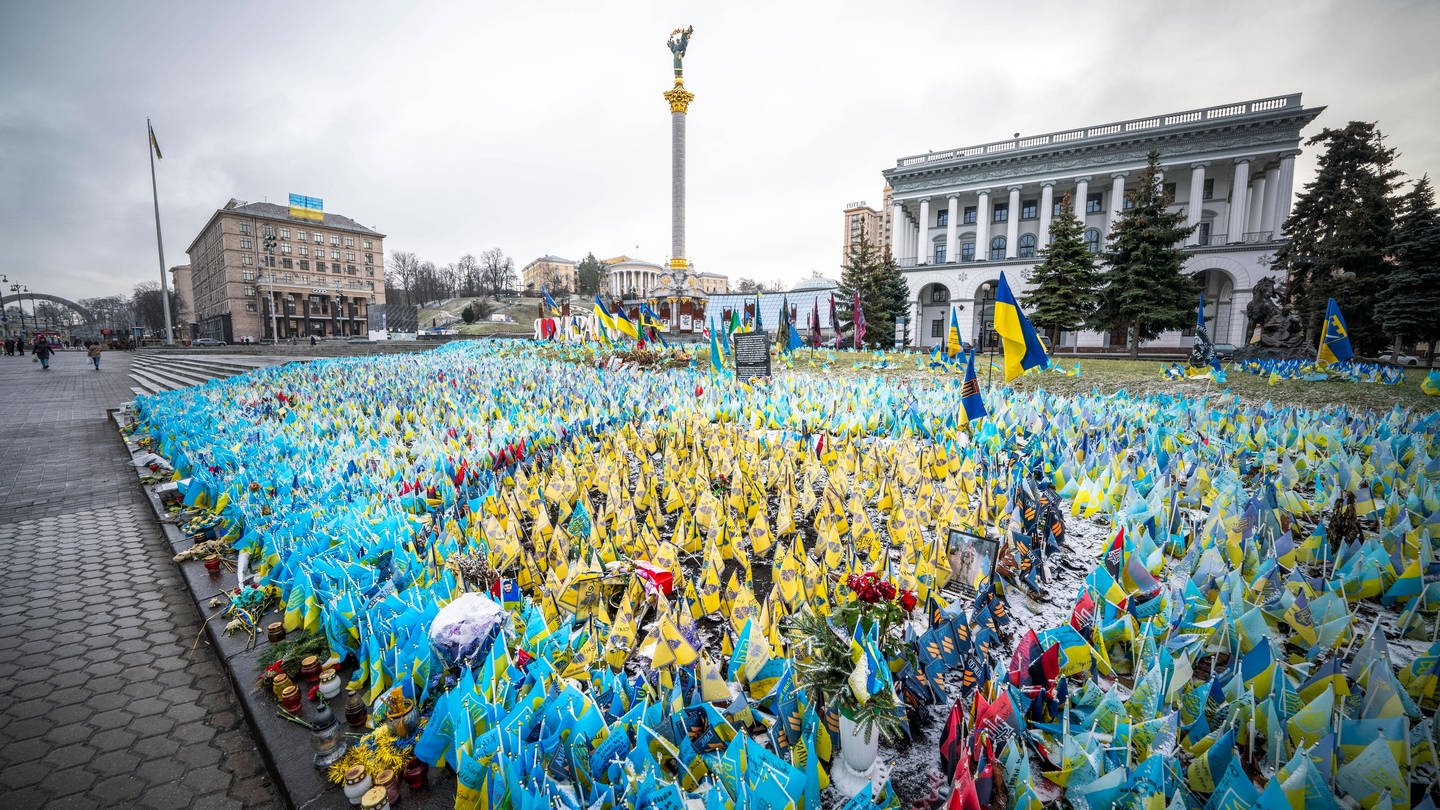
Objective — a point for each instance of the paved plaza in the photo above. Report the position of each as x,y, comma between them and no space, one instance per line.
108,697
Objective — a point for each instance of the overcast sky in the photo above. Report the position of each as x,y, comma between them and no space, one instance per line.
453,128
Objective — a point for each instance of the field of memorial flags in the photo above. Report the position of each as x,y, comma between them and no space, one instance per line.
1198,602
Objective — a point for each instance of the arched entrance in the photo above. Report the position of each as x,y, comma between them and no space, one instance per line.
983,328
34,311
934,315
1218,289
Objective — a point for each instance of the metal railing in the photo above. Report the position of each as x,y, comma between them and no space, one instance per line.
1237,109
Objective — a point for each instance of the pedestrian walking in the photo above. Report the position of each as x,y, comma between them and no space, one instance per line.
94,354
42,352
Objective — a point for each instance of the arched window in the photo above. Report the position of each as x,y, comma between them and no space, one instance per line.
997,248
1092,239
1027,246
939,294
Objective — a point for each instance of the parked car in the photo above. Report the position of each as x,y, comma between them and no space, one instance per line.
1224,352
359,339
1401,360
209,342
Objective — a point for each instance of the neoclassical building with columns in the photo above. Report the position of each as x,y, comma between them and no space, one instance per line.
961,216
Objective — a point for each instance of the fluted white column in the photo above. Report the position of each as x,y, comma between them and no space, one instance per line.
982,225
1117,201
1012,224
1283,190
897,219
1256,204
952,250
1239,196
923,234
1082,190
1197,201
1047,201
1267,206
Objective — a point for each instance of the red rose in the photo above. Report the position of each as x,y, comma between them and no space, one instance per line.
908,600
887,590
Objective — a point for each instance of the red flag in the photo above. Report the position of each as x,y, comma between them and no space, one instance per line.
1025,653
1082,618
859,321
815,325
1115,557
834,321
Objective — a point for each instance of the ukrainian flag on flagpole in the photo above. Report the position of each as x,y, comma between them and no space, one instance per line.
952,336
1022,346
717,361
550,306
970,391
606,322
1334,339
624,324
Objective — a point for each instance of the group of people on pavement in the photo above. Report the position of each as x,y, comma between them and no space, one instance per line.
43,350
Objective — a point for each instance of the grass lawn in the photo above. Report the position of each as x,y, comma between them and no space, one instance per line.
1107,376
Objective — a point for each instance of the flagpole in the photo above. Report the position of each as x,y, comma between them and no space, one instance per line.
159,245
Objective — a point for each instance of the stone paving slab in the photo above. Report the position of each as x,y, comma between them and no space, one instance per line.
111,697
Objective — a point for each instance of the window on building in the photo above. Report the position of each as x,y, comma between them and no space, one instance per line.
369,258
1055,208
1002,212
1027,246
284,233
304,264
1092,239
245,228
349,241
1128,204
304,251
1202,234
942,219
285,248
247,259
319,238
286,263
997,248
247,275
1209,192
939,295
246,243
334,254
1030,209
970,214
335,240
250,292
249,306
350,269
937,328
1095,203
369,245
940,253
349,256
300,235
269,232
335,267
1168,190
967,251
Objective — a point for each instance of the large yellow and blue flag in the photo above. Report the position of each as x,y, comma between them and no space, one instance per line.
970,396
551,308
1334,338
606,322
1022,346
623,323
717,360
952,336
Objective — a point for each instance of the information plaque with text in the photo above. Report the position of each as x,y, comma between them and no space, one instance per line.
752,355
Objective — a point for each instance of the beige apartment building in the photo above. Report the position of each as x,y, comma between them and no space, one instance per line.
317,277
551,272
713,283
863,222
185,294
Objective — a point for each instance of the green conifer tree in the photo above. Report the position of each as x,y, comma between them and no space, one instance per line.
1410,307
1146,290
1340,232
1065,285
883,293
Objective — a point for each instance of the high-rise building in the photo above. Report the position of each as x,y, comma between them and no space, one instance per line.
318,274
861,222
181,283
961,216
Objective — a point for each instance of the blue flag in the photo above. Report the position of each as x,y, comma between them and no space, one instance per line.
970,395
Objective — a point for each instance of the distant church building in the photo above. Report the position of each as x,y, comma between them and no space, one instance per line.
961,216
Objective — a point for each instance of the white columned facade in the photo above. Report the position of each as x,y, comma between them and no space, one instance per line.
897,216
923,237
1257,205
1268,224
1082,190
1283,190
1117,201
1239,195
952,217
982,225
1047,201
1012,224
1197,201
915,241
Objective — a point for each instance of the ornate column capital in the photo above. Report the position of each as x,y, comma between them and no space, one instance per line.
1200,164
1290,153
952,195
1240,160
679,97
1086,179
1119,175
1013,188
984,192
1050,183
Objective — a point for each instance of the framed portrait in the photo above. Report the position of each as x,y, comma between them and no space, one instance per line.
972,560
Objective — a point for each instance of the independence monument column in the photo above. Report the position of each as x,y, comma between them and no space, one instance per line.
679,99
